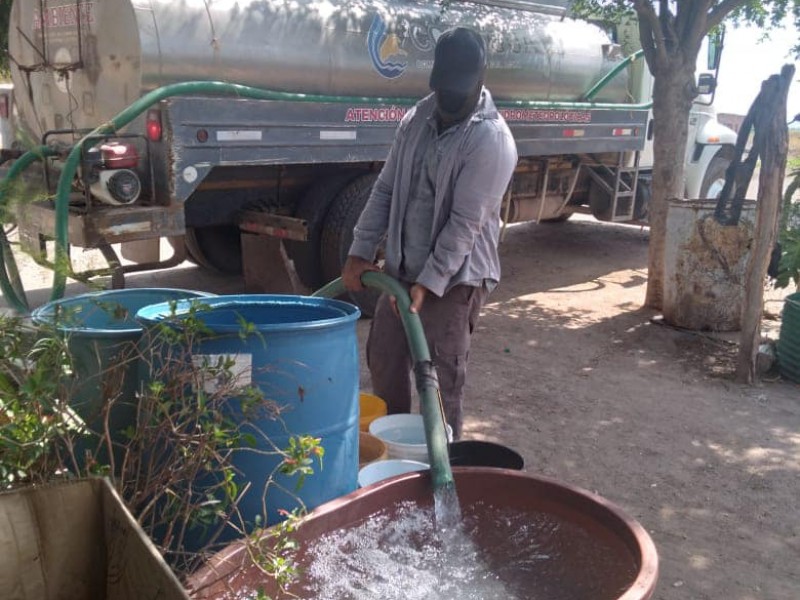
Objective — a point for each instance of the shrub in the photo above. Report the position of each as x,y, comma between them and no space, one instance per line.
173,466
789,236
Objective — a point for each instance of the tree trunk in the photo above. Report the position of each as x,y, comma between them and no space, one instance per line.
774,135
673,92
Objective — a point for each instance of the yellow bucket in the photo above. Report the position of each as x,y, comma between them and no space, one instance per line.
370,449
370,408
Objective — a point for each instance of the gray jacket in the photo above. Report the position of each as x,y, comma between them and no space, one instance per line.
471,182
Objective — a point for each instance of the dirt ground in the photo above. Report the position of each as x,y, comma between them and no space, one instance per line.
570,371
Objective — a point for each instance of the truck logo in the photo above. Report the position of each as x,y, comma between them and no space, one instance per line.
67,15
388,59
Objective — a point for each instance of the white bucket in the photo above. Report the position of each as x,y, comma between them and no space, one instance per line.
383,469
404,436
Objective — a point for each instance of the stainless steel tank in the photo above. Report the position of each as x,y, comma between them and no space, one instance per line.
78,63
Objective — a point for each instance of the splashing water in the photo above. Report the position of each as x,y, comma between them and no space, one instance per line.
402,556
405,553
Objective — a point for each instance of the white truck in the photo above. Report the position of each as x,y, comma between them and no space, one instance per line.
200,168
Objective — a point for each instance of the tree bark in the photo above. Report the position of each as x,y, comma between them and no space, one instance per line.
673,92
772,122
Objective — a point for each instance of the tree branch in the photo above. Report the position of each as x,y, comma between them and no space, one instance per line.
697,25
668,24
654,47
683,15
692,19
722,10
648,45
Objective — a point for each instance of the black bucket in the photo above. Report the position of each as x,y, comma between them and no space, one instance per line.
477,453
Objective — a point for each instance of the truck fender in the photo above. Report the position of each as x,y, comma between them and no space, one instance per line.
712,159
712,132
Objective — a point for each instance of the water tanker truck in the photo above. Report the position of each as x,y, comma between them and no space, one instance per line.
208,163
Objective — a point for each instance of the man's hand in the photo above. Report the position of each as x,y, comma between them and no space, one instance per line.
417,293
354,268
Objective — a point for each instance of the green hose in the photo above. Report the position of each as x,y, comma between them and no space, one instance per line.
10,282
222,88
427,385
134,110
595,89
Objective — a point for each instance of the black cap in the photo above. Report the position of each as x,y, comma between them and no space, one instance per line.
459,60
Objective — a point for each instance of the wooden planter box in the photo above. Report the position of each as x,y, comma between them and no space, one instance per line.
77,541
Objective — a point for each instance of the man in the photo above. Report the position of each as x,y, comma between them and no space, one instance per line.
437,202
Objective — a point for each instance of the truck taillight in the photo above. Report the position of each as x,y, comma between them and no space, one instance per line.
4,106
154,125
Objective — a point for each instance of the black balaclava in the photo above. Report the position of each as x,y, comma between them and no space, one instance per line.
457,76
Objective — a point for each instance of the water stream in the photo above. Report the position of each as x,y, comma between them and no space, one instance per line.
492,553
447,509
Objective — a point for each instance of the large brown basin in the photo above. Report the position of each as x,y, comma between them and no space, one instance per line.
629,559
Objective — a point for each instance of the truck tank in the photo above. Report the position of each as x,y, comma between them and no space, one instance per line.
77,63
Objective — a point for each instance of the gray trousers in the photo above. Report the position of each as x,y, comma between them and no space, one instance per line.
448,322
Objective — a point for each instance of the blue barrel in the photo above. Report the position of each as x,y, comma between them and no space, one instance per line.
102,337
302,353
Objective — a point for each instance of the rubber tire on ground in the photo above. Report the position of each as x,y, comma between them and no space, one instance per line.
563,217
173,243
337,236
313,207
644,194
715,172
217,248
599,202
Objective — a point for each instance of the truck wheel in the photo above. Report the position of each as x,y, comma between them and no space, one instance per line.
337,236
644,193
217,248
563,217
599,202
175,241
312,208
714,179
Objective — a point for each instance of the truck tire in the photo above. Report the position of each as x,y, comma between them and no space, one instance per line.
562,218
217,248
644,193
337,236
599,202
313,207
179,243
714,178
